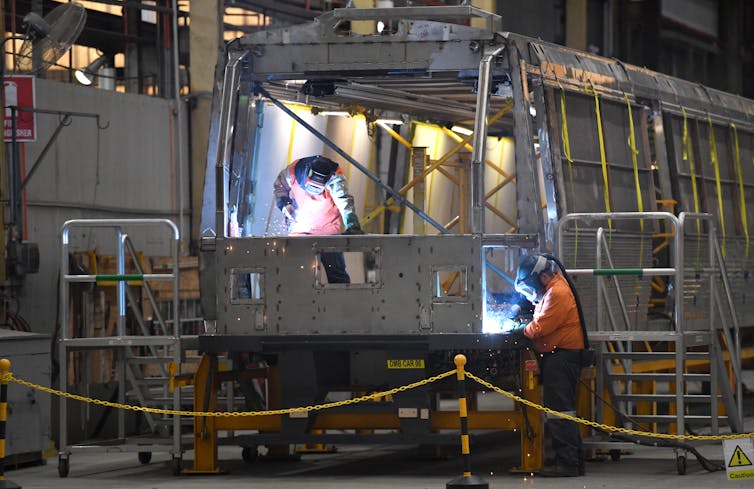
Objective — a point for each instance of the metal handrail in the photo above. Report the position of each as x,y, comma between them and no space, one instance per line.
676,271
717,265
121,339
676,258
603,248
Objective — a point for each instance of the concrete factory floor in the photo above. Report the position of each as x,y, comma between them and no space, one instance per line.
388,467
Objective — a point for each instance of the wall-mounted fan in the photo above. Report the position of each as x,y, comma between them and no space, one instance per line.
47,39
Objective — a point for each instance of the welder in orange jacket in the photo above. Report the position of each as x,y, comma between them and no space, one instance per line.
558,337
313,195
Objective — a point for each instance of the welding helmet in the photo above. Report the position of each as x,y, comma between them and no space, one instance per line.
318,174
528,283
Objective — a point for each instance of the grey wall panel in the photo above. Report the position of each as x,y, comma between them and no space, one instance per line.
127,170
536,19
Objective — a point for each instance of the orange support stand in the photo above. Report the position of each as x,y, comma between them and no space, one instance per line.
205,431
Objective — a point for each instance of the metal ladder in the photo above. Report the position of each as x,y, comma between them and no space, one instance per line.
649,375
159,347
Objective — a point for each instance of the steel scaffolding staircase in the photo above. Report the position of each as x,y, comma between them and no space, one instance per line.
157,349
670,376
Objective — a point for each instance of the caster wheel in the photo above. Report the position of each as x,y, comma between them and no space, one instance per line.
249,454
145,457
680,464
175,466
63,467
615,455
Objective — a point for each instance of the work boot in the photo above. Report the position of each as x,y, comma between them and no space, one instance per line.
550,461
559,471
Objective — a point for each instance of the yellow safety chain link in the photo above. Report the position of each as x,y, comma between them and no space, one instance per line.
569,158
319,407
604,427
741,198
716,165
688,155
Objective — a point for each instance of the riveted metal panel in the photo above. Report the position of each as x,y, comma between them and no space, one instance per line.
401,301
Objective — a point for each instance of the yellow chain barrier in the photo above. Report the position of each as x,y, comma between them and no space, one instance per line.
604,427
319,407
225,414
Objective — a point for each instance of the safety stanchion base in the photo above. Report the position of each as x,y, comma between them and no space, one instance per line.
467,481
6,484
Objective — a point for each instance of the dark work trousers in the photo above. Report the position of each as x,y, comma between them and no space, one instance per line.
560,375
335,267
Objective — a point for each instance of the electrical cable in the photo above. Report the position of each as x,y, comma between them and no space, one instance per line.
575,297
517,383
707,464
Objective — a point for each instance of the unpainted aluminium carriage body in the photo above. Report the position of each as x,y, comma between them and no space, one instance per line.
591,135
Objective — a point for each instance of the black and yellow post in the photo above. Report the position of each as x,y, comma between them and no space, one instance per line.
4,374
466,480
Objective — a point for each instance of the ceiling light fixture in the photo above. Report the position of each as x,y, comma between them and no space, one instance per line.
341,113
462,130
397,122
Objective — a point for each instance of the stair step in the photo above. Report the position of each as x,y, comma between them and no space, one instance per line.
653,355
187,400
688,398
661,377
671,418
152,381
166,404
150,359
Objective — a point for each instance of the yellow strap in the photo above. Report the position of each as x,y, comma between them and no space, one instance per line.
567,153
634,159
741,199
603,156
688,154
713,157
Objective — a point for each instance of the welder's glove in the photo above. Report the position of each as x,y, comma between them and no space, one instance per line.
352,224
517,337
289,212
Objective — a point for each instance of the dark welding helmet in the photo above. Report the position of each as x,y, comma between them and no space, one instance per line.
527,277
318,174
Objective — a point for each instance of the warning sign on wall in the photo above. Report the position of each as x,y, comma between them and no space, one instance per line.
20,92
739,458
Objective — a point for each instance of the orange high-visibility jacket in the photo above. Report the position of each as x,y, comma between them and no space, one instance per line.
556,319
